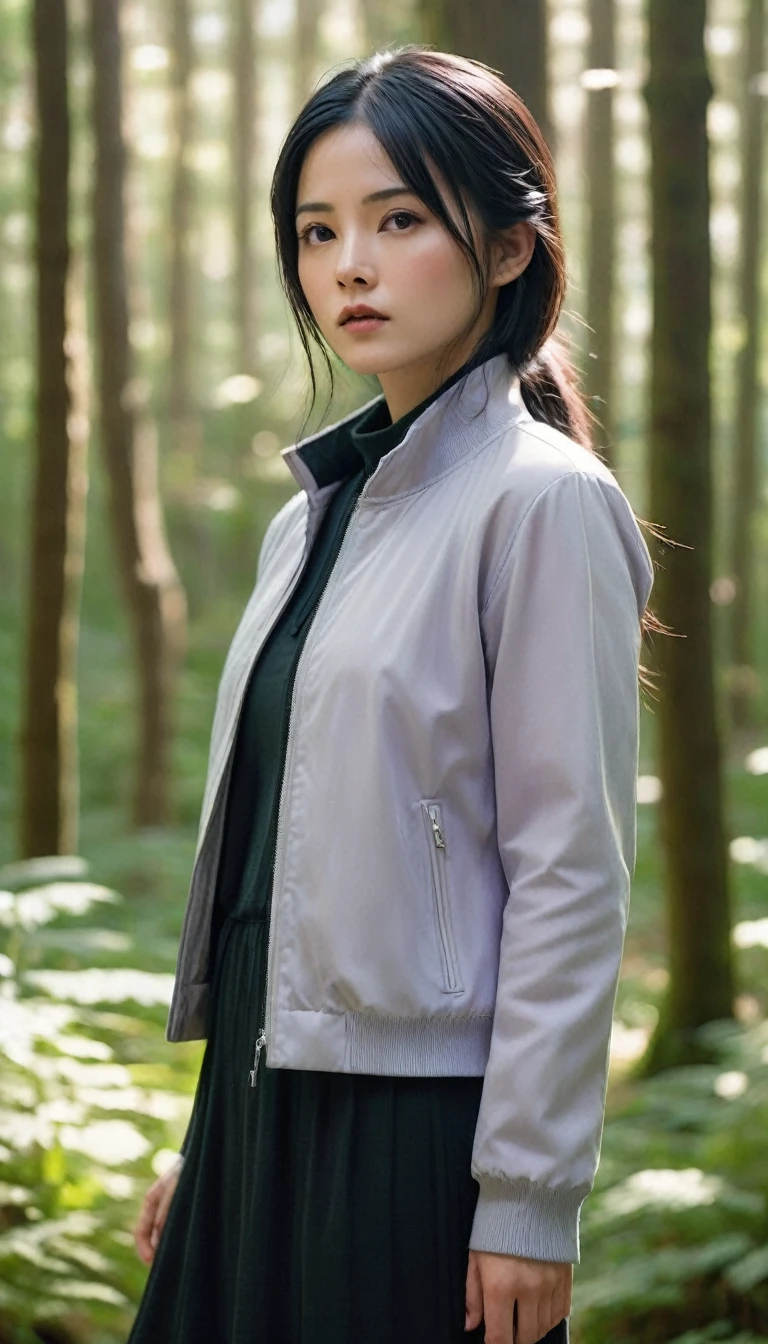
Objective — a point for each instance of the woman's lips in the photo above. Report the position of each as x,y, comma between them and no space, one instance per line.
365,323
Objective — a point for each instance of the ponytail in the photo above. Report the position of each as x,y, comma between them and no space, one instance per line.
550,390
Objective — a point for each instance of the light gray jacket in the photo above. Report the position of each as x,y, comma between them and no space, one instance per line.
457,821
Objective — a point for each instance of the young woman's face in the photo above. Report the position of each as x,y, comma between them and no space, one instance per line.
393,255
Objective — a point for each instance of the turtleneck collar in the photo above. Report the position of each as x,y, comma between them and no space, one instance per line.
376,434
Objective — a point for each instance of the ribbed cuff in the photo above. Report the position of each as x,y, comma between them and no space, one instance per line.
539,1222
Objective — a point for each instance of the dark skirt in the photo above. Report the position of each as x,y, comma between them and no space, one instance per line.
315,1208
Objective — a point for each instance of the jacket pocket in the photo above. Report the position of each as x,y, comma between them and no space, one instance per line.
432,813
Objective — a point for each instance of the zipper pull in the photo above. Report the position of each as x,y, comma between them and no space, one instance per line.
436,831
261,1041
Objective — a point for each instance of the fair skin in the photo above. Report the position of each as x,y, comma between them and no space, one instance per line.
397,257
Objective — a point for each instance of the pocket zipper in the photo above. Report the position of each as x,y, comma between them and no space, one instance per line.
438,853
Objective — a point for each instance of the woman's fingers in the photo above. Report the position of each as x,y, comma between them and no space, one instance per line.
532,1316
474,1294
154,1212
161,1213
521,1298
146,1222
499,1316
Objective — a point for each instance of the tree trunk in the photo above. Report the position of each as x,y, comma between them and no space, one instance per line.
49,791
746,486
600,248
305,58
244,189
376,28
153,592
183,418
691,808
509,35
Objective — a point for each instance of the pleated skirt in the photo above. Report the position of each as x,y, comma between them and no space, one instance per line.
313,1208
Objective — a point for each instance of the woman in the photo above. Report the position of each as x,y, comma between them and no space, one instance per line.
406,915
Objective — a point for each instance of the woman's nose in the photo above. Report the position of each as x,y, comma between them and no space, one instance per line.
352,267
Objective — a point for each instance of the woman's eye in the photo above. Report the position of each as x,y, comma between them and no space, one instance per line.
401,214
310,229
407,215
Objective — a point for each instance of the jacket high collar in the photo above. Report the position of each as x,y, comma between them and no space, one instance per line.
464,417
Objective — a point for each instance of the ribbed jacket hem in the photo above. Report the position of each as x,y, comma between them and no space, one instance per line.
419,1047
521,1217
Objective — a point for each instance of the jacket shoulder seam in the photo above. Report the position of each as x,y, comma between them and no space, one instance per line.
511,543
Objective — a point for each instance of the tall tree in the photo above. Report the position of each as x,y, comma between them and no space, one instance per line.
746,486
243,182
305,54
153,592
180,283
382,25
600,245
376,30
49,795
509,35
691,808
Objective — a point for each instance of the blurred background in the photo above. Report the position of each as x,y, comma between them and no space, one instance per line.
149,377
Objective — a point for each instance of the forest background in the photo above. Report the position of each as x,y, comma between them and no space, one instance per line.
149,377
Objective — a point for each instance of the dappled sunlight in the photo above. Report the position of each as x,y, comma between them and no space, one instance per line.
29,909
163,1160
23,1023
46,868
751,932
109,1141
159,1105
627,1043
733,1083
237,390
648,789
105,986
745,849
661,1188
756,763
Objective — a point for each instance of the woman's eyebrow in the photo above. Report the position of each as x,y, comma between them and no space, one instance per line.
315,206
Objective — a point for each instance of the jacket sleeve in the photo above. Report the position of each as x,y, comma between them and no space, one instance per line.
561,630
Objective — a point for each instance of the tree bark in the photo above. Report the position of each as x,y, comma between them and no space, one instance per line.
509,35
600,245
305,58
180,282
746,485
691,809
243,183
375,24
154,595
49,786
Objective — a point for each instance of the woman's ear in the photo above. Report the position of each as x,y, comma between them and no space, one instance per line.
512,252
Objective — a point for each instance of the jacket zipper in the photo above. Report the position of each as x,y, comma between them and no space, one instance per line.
438,850
265,1017
265,636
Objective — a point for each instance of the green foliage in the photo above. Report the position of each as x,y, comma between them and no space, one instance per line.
89,1105
675,1232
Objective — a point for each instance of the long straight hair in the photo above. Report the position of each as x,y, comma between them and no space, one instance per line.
424,105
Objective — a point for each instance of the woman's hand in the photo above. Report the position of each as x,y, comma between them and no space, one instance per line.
541,1288
154,1211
